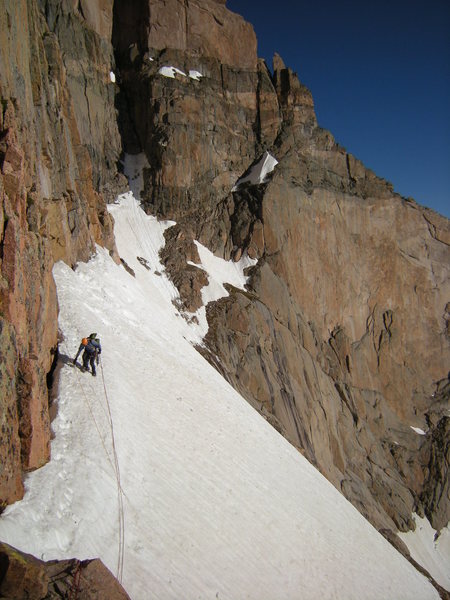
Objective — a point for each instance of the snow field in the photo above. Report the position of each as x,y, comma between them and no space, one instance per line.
430,550
219,272
216,503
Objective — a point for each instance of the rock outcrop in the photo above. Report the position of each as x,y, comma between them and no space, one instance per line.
59,146
23,576
341,340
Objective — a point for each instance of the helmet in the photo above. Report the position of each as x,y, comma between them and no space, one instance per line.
84,342
92,336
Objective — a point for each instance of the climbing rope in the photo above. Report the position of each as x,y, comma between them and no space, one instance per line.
120,558
114,464
73,592
88,404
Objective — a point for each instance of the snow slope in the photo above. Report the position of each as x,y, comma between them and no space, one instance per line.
216,504
430,549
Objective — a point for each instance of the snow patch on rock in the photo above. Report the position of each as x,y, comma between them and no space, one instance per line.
430,550
222,271
219,272
171,72
195,75
418,430
259,172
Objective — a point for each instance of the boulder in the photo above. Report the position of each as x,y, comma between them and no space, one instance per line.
204,28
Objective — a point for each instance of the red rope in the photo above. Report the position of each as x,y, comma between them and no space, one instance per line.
73,593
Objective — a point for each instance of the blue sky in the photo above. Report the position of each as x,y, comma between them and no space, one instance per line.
379,73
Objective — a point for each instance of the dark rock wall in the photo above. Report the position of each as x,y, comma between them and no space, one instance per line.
205,131
59,144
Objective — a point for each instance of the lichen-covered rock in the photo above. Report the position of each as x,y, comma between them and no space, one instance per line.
28,305
21,575
78,48
10,470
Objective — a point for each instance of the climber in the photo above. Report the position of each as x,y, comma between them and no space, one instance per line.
92,350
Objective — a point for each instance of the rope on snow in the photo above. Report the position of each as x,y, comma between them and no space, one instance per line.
120,558
115,467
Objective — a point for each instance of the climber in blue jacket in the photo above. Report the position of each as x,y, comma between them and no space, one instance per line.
92,350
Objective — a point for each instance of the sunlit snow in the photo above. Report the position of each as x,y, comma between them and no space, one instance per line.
418,430
216,504
430,550
193,74
173,71
221,271
259,172
170,72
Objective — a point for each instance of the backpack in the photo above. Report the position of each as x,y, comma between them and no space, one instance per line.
93,344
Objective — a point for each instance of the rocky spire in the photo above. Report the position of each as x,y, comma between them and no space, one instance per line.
277,63
295,98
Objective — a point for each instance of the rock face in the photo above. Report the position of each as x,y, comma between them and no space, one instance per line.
202,28
23,576
342,339
338,361
59,145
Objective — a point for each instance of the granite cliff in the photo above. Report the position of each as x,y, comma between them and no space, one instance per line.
341,340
